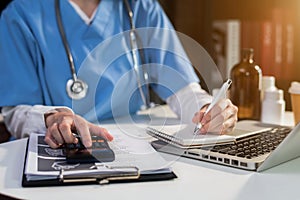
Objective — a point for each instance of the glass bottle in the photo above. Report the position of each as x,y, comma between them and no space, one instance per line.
245,90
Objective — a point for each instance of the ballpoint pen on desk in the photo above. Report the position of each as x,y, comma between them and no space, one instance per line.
219,96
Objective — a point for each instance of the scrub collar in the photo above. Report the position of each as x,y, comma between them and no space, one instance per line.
82,14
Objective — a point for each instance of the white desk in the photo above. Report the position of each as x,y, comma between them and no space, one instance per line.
196,179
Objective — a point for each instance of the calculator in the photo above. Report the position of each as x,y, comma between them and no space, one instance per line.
98,152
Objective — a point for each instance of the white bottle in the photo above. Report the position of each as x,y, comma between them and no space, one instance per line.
268,83
273,107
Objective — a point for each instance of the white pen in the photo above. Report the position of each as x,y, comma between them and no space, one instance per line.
219,96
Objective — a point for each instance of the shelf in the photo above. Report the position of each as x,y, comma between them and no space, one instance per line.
195,18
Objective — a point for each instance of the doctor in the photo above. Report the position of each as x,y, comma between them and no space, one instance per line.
67,63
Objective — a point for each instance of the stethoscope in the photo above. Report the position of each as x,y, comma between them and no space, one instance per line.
77,88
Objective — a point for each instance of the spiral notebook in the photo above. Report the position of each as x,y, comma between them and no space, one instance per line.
183,136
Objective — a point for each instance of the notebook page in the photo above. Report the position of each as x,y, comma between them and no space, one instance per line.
183,134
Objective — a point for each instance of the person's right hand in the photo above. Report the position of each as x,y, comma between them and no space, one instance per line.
61,125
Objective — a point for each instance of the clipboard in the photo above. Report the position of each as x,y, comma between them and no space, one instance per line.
124,174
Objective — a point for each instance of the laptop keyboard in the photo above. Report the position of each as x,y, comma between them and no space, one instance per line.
255,145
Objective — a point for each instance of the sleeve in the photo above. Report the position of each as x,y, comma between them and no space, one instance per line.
19,53
23,120
188,100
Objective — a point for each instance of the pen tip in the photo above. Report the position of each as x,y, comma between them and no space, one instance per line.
197,128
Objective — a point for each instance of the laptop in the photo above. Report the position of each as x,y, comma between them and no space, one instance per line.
258,147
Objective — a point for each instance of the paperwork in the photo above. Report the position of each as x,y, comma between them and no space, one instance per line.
43,162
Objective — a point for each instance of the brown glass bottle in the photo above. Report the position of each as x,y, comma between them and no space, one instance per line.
245,90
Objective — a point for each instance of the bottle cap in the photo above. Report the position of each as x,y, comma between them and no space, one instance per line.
295,88
268,83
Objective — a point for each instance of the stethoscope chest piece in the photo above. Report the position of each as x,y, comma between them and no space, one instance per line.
76,89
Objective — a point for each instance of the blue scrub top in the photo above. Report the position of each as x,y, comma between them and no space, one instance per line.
34,66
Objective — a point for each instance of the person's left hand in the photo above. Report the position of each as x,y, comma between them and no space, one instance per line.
221,119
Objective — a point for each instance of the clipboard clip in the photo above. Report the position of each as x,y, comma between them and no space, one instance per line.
117,173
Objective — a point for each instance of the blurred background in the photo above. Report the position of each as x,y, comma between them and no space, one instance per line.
270,27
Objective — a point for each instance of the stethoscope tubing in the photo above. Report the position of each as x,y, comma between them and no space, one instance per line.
64,40
72,93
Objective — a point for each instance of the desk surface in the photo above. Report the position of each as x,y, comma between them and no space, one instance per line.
195,179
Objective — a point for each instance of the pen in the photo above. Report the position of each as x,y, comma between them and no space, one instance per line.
219,96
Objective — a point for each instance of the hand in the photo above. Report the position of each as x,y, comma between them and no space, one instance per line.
61,124
221,119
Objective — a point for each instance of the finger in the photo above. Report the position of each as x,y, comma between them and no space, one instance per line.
220,107
229,125
206,118
233,110
65,130
213,113
57,117
216,111
227,130
215,125
198,117
230,118
207,129
55,134
200,114
50,141
195,118
96,130
224,121
81,126
50,120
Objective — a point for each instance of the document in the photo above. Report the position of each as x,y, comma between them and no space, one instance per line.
43,162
